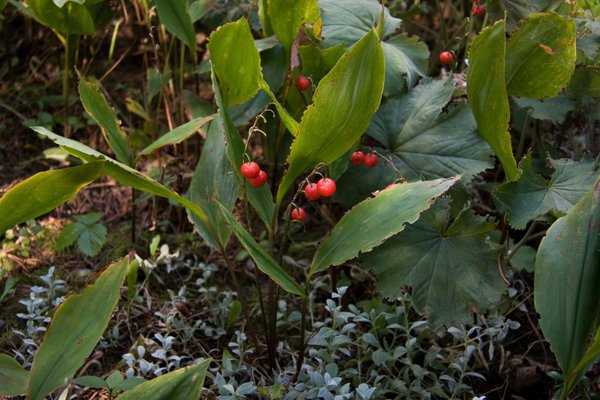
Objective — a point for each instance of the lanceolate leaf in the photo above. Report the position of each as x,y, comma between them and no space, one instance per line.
76,327
590,357
43,192
235,61
177,135
263,260
182,384
567,278
532,196
96,105
214,181
13,377
451,267
346,21
540,56
487,94
344,103
120,172
286,17
174,14
374,220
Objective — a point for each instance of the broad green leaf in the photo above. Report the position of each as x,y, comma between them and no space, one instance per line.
182,384
120,172
13,377
487,94
343,105
263,260
540,56
91,382
423,142
177,135
129,383
590,357
287,17
174,14
517,10
74,331
96,105
72,18
235,61
585,82
317,62
374,220
214,181
532,195
450,266
554,109
43,192
263,15
347,21
260,198
567,278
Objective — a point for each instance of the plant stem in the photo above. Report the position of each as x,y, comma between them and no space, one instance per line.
302,348
65,86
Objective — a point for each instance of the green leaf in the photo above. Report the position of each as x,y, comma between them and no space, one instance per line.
532,196
344,103
43,192
567,278
182,384
260,198
263,260
114,379
235,61
287,17
554,109
69,235
129,384
91,382
3,4
73,18
517,10
177,135
174,14
91,239
74,331
347,21
585,82
120,172
423,142
487,94
374,220
450,266
96,105
540,56
590,357
214,181
13,377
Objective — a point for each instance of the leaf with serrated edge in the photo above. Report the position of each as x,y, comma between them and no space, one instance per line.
371,222
75,330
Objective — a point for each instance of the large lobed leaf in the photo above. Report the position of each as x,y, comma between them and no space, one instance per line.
344,103
374,220
43,192
13,377
450,265
182,384
540,56
486,90
567,278
347,21
532,195
76,327
96,105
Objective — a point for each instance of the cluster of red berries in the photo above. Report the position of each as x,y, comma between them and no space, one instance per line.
255,176
325,187
369,160
302,83
477,9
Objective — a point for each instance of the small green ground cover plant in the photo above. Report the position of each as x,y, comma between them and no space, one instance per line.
329,149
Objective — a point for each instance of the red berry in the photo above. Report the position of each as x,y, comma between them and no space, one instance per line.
446,57
311,191
357,157
326,187
478,11
302,83
298,214
260,180
370,160
250,170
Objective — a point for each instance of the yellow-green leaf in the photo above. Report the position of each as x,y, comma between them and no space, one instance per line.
177,135
74,331
487,94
